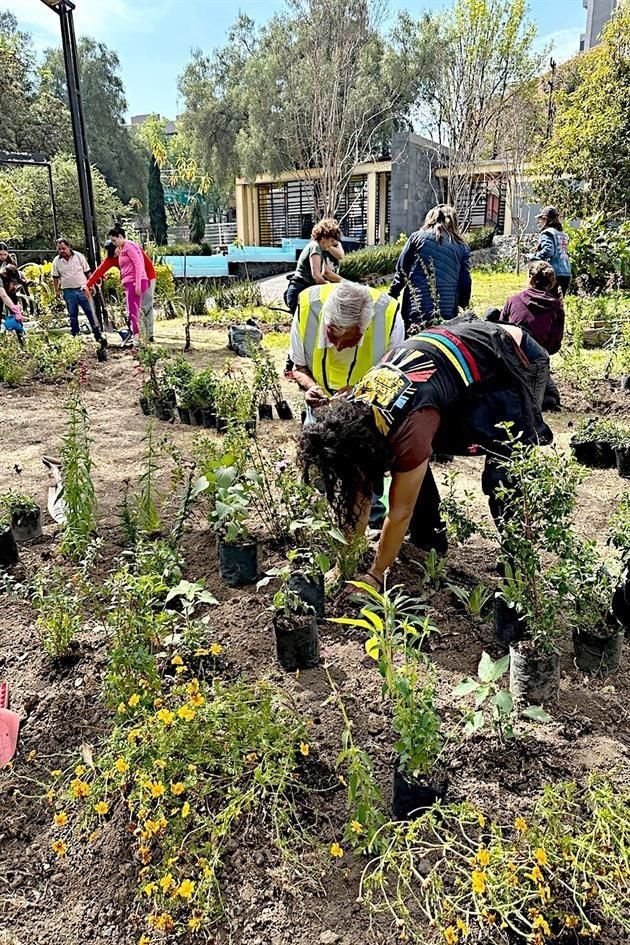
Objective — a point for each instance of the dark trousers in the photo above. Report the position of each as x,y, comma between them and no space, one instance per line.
291,297
75,299
427,529
564,282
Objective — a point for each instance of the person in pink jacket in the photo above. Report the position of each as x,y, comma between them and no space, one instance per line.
133,275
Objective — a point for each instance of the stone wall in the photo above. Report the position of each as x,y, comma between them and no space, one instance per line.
415,189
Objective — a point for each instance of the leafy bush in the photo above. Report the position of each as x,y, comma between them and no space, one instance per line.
181,249
236,295
600,253
372,261
164,281
480,238
48,357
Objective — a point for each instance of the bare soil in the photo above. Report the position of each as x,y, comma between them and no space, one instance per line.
88,898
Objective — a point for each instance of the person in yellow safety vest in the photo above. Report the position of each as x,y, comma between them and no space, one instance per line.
339,333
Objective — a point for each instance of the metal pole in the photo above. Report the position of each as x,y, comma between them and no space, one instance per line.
84,170
53,202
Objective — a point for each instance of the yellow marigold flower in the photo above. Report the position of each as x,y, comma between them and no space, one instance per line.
541,923
50,796
478,881
216,649
59,847
144,940
162,822
520,824
450,935
159,763
177,660
483,856
541,856
251,758
512,880
144,853
155,788
80,770
194,923
185,889
545,893
356,826
481,820
463,928
167,883
80,788
185,809
187,713
336,850
150,889
121,765
165,716
164,922
304,749
192,687
101,808
56,773
177,788
121,708
134,734
571,921
133,700
61,819
197,699
536,876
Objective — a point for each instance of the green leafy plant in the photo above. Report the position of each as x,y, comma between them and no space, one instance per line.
456,510
350,554
474,600
17,503
79,495
619,527
397,627
58,603
435,567
266,385
590,430
232,503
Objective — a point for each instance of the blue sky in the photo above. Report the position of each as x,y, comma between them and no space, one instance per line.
153,38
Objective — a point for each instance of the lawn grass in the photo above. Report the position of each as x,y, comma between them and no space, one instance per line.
493,288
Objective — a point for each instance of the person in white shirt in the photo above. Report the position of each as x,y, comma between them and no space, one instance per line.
70,271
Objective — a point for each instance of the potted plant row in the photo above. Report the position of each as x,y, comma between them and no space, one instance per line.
8,547
24,514
234,404
595,442
196,402
267,390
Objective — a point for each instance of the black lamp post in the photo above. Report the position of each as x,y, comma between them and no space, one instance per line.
63,9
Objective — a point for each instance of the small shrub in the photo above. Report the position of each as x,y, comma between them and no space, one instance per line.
600,253
236,295
59,612
480,238
372,261
79,495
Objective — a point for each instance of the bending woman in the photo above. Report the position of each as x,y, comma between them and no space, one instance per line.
445,387
133,275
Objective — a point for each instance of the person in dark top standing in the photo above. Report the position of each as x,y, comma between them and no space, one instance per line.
446,388
553,246
433,271
539,310
317,264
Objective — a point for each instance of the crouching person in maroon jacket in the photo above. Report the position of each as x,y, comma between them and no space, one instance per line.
539,310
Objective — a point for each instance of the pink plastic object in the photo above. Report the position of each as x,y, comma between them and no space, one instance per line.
9,727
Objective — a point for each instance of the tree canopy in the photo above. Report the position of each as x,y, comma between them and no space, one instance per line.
317,87
585,166
117,154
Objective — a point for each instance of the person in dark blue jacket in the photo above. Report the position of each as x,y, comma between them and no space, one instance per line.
433,271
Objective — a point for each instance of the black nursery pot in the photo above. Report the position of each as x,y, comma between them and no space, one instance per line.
622,459
620,606
163,410
196,416
27,526
508,628
534,676
265,412
284,410
596,454
184,415
598,655
222,424
624,382
146,406
250,427
238,564
297,641
8,547
310,590
209,418
412,796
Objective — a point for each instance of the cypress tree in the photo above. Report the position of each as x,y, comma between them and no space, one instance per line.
157,211
197,223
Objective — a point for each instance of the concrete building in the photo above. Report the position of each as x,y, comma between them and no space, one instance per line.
381,200
598,12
